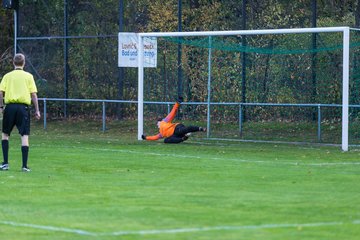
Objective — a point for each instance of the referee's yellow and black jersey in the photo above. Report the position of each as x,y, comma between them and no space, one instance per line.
18,86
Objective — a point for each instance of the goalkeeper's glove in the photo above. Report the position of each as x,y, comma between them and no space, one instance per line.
143,137
180,99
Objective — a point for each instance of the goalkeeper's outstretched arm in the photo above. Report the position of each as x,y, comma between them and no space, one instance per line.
172,114
152,138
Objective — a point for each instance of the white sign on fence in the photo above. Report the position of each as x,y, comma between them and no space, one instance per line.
128,50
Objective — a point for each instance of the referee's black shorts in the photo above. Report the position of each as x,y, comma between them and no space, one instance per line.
16,114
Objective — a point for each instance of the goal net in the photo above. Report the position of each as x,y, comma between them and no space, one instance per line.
288,85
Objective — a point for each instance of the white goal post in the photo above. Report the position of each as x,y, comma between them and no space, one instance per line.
345,74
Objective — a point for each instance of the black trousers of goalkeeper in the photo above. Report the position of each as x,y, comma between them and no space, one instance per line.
180,133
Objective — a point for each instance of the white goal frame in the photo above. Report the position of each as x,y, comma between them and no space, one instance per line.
345,82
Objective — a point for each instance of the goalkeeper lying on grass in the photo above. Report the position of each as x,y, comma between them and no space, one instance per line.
173,132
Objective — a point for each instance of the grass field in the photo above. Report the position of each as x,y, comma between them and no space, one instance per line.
86,184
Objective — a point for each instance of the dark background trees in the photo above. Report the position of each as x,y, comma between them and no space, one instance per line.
92,49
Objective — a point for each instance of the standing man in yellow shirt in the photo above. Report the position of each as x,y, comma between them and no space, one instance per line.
17,88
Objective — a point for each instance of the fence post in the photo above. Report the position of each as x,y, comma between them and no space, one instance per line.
103,117
45,113
240,119
209,89
319,123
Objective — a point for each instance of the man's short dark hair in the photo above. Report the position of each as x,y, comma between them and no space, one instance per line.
19,60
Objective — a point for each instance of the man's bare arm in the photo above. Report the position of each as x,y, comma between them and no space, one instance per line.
34,99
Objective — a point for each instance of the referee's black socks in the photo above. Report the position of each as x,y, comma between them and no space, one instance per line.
5,150
25,153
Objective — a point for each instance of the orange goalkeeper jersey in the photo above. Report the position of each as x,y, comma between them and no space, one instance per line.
166,128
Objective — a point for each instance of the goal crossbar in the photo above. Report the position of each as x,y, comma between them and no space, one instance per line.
345,74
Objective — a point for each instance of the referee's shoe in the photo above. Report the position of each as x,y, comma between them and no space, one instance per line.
25,169
4,166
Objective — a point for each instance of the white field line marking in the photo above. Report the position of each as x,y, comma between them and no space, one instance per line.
222,228
49,228
179,230
216,158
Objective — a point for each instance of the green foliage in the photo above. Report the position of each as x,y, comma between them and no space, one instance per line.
6,41
93,71
162,17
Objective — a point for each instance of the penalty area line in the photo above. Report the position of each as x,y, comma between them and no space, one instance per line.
180,230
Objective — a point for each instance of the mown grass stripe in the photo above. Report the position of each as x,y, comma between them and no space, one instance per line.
215,158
